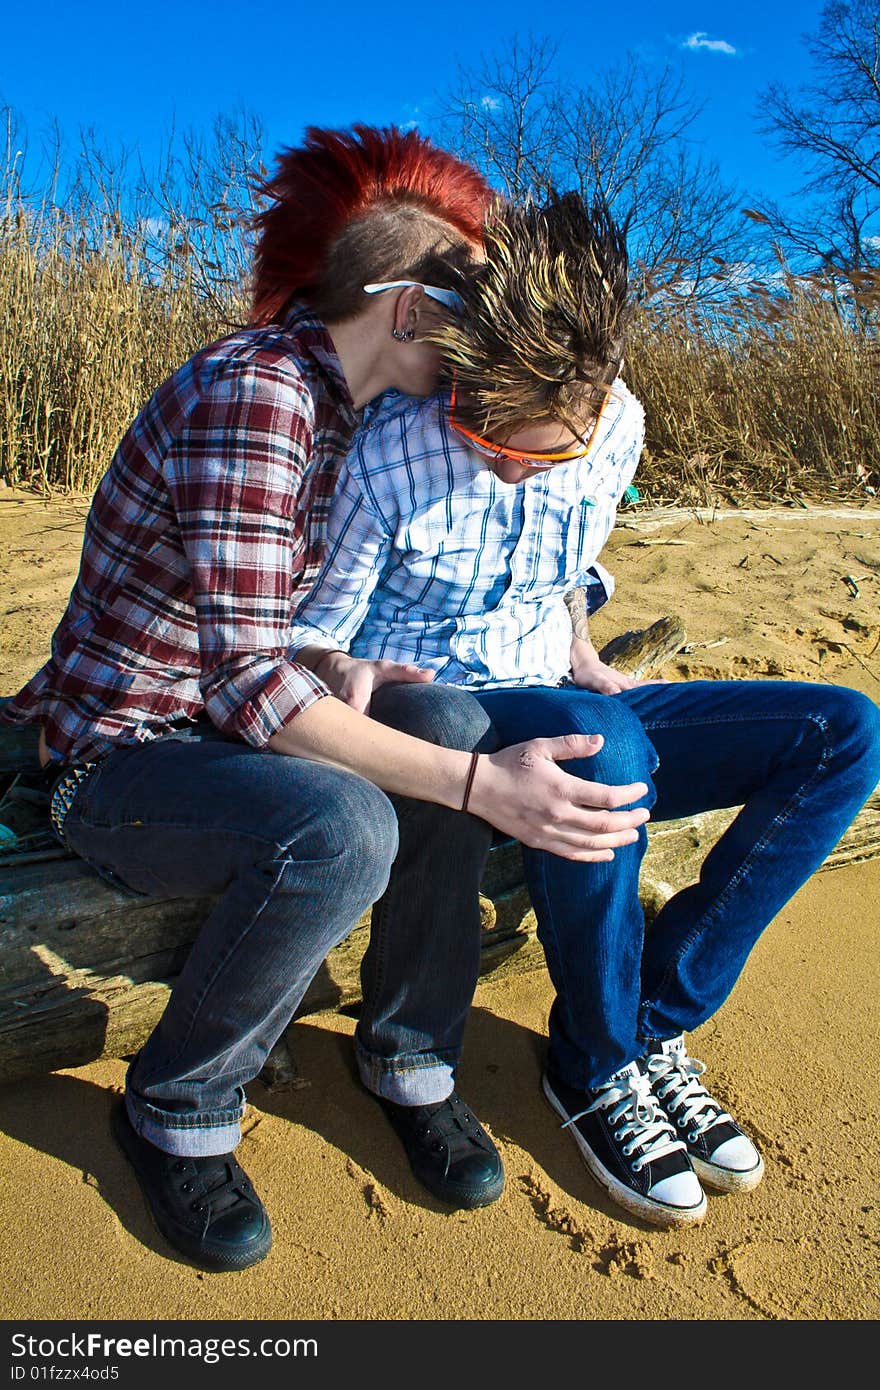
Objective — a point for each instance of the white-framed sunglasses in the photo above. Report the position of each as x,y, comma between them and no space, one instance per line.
448,298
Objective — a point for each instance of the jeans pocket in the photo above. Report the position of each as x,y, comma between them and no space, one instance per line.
112,878
98,846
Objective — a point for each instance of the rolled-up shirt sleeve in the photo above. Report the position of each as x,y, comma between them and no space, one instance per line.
233,475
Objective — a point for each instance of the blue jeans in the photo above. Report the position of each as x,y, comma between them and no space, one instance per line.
293,852
800,759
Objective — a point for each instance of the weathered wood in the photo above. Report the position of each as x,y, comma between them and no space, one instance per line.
644,653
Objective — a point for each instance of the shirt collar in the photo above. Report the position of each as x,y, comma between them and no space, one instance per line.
313,339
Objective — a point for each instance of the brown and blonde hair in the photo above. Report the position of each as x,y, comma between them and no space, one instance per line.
542,332
352,206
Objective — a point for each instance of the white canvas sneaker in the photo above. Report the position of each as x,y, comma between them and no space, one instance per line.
630,1147
724,1157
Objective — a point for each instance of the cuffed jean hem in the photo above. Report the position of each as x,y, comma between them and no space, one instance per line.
406,1080
186,1136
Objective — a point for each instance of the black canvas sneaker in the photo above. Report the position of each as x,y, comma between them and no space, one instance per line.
723,1156
631,1148
449,1151
205,1208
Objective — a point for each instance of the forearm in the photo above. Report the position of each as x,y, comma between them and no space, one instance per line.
582,650
330,731
576,603
582,653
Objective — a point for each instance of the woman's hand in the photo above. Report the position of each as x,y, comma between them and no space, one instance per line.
522,792
589,672
353,679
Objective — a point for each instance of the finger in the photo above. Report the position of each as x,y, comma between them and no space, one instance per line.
605,803
358,699
585,856
584,848
562,747
602,795
387,671
594,848
358,691
593,840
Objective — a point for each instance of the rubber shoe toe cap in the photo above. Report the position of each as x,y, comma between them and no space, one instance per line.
681,1190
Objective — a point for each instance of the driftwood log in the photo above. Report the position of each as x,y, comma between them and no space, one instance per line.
85,970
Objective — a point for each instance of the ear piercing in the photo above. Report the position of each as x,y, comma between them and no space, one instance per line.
404,335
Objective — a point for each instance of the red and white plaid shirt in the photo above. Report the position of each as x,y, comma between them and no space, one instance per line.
205,532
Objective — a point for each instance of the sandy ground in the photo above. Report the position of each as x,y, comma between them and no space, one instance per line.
792,1052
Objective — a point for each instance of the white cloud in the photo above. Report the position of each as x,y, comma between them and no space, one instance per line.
701,43
154,227
490,103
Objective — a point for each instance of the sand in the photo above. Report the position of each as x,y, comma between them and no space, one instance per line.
790,592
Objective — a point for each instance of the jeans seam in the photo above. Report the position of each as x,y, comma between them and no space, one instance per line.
210,982
734,719
547,922
392,1066
155,823
378,920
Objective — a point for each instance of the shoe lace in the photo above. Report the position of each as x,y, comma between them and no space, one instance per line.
217,1184
635,1117
674,1080
452,1126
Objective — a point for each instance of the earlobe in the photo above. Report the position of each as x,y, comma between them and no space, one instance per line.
406,316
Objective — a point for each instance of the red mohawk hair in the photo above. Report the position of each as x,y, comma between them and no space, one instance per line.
336,177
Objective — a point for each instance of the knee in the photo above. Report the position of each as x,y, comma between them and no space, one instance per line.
354,836
853,721
626,755
441,714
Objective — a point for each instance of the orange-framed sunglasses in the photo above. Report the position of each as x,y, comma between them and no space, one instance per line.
535,459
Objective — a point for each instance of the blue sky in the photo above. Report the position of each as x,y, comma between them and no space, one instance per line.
132,73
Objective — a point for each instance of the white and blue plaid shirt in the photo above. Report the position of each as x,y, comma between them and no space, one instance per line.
432,559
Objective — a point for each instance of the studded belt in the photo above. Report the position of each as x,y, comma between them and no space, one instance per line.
63,793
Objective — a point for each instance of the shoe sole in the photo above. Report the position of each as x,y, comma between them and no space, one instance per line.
215,1259
468,1199
727,1179
462,1198
655,1213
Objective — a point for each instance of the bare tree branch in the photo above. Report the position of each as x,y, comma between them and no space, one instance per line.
623,137
832,128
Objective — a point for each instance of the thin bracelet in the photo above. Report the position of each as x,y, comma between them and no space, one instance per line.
323,657
475,758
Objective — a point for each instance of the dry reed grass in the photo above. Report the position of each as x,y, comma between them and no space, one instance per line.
104,292
85,337
771,392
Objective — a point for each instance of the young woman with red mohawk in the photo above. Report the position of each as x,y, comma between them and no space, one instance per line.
192,751
365,205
